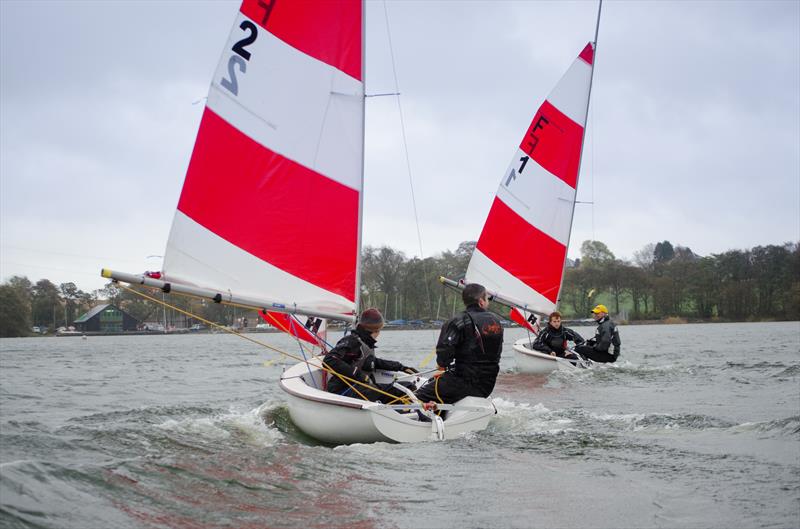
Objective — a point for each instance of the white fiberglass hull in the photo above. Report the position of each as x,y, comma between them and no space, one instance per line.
343,420
532,362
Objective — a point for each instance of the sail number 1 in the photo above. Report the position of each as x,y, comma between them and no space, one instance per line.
513,174
529,144
239,58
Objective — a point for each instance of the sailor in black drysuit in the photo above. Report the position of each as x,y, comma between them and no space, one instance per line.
468,352
354,357
554,338
599,348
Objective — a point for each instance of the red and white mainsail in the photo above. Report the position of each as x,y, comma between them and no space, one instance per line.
271,204
521,251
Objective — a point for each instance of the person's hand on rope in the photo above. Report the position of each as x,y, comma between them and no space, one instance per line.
408,369
428,406
439,371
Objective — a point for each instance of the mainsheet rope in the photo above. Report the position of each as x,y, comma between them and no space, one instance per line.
323,366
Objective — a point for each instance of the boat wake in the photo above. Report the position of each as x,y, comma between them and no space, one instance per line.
242,427
788,427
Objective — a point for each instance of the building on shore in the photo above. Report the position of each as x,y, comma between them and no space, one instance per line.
106,318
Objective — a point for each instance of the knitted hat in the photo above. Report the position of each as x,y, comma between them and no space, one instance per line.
371,320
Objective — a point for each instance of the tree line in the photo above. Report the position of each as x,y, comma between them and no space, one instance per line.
661,281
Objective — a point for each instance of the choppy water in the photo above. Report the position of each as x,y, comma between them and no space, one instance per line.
696,426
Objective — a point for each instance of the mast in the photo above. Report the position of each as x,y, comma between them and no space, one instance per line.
363,151
583,137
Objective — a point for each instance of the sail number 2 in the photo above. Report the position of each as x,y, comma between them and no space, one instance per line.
239,57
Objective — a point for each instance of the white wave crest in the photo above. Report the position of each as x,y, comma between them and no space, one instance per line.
246,426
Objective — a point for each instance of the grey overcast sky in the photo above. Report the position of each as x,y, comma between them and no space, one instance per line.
693,134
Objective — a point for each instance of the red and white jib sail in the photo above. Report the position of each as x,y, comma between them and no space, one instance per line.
313,332
521,251
270,207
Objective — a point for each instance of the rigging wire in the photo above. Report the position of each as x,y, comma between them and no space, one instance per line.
322,365
408,160
594,121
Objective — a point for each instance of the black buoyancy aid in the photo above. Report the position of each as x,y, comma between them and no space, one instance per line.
479,352
556,339
365,361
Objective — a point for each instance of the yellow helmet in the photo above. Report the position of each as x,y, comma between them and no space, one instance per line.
600,308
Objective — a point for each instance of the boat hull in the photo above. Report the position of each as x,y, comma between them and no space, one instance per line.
335,419
532,362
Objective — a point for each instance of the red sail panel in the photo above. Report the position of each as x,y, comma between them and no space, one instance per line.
554,141
588,54
328,30
297,203
517,317
522,250
289,325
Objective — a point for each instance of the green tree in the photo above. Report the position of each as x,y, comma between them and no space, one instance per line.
595,253
76,301
701,288
580,288
15,310
639,286
663,252
381,272
735,277
46,304
615,278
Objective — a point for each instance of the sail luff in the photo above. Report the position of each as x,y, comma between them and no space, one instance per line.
583,143
363,151
583,138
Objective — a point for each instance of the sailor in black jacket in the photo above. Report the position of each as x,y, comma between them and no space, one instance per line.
354,357
599,348
554,338
468,352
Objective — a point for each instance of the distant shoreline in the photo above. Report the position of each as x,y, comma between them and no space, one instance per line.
570,323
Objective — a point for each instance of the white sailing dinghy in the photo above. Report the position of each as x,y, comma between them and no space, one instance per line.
279,158
521,252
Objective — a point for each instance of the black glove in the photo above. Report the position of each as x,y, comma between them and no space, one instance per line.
408,369
590,342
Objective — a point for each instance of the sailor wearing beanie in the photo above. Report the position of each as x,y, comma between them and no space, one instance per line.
354,357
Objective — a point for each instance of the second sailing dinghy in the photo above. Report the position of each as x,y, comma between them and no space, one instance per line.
279,157
522,250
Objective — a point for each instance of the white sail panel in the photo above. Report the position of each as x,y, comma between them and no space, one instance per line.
570,95
294,104
497,281
540,198
240,272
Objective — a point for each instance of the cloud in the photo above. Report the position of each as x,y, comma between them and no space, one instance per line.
693,130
